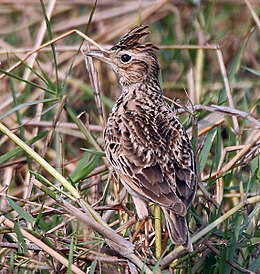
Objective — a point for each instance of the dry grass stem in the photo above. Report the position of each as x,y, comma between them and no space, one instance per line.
54,177
42,245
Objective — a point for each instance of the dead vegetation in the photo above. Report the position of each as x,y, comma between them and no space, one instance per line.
51,108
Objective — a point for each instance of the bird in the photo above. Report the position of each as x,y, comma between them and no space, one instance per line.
145,142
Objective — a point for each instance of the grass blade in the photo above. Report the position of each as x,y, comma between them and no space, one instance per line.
5,157
18,107
48,25
25,81
20,211
206,148
22,248
85,166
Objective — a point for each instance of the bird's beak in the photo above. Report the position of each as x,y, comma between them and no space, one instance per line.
100,55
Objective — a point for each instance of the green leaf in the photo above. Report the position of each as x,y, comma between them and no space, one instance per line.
11,262
255,265
253,71
249,242
251,220
25,81
18,114
49,192
91,16
80,124
235,235
18,107
235,64
87,28
34,71
22,213
218,147
85,166
69,271
40,221
209,262
48,25
5,157
223,256
89,92
95,152
157,265
22,247
93,267
47,80
206,148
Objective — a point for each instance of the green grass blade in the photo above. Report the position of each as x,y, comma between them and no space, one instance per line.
206,148
22,247
25,81
85,166
237,60
18,114
41,161
253,71
46,190
157,265
48,25
22,213
46,78
218,147
69,271
48,183
18,107
5,157
95,152
223,256
89,92
254,266
34,71
81,126
93,267
87,29
209,262
91,16
235,236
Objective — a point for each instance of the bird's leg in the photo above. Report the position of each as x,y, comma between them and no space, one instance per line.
141,208
142,214
139,229
146,231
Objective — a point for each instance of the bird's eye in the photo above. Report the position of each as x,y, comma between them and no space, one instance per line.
125,58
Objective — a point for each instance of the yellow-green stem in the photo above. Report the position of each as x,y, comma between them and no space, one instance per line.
199,72
40,160
158,231
168,259
52,171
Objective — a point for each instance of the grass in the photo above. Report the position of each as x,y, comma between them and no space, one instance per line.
62,209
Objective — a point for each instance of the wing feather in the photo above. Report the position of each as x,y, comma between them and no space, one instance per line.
155,157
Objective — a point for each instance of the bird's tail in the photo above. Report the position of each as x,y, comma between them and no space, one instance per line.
178,229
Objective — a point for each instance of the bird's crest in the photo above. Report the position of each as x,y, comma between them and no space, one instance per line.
131,40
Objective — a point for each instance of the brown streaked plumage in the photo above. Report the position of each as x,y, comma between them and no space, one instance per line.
144,140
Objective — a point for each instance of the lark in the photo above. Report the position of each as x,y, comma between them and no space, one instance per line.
144,141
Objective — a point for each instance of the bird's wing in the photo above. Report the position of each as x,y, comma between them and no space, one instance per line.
154,158
179,156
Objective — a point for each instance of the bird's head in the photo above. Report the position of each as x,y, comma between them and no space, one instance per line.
132,61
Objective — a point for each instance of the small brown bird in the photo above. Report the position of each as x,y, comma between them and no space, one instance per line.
144,140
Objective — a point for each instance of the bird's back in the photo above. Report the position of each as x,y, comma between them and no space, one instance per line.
148,147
